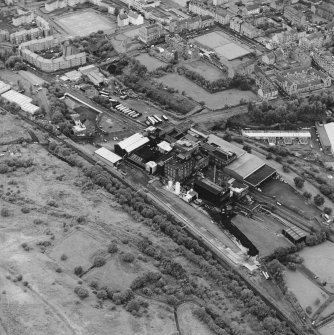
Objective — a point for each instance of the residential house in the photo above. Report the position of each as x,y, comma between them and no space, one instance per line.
269,58
135,18
311,41
148,34
235,24
122,20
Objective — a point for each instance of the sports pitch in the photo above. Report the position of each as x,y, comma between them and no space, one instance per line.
222,45
85,23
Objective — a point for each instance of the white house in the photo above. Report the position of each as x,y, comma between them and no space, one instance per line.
135,18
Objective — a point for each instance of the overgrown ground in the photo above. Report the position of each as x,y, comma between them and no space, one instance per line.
63,237
213,101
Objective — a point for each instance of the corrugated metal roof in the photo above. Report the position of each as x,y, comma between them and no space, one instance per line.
130,140
108,155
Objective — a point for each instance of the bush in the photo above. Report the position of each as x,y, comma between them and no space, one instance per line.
63,257
78,270
299,182
308,310
133,305
112,248
307,195
128,257
81,292
269,156
59,270
319,200
99,261
247,148
94,284
25,210
286,168
102,294
278,159
5,212
328,210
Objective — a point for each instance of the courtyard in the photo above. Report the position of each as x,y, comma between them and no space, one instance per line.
83,23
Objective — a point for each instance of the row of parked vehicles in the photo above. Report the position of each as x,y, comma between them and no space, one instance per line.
150,120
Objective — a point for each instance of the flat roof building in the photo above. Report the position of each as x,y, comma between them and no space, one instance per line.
130,144
4,87
107,156
326,137
23,101
209,191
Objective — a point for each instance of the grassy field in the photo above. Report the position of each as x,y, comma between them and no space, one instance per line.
209,72
85,22
286,195
327,330
213,101
264,232
150,62
189,324
305,291
320,260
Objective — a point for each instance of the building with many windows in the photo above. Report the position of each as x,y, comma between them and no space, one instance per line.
22,17
66,61
148,34
302,79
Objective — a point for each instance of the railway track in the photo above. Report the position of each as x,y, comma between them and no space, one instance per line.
192,231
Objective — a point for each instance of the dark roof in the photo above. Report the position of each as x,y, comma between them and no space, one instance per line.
209,186
260,175
295,233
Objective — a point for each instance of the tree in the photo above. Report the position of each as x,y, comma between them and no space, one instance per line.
328,210
307,195
286,168
247,148
299,182
78,270
99,261
319,200
81,292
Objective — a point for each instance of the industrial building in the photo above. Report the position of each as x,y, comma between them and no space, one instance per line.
209,191
23,101
294,234
130,144
250,169
107,156
326,136
273,135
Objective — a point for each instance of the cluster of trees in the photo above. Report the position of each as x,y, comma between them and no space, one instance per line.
238,81
162,70
138,79
12,164
95,44
306,110
287,255
16,63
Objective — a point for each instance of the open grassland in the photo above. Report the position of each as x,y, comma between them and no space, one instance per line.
327,330
150,62
306,291
209,72
213,101
320,260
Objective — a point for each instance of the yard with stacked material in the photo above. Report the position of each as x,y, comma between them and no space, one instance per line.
76,259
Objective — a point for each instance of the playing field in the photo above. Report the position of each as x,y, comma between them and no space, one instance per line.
85,23
222,45
209,72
